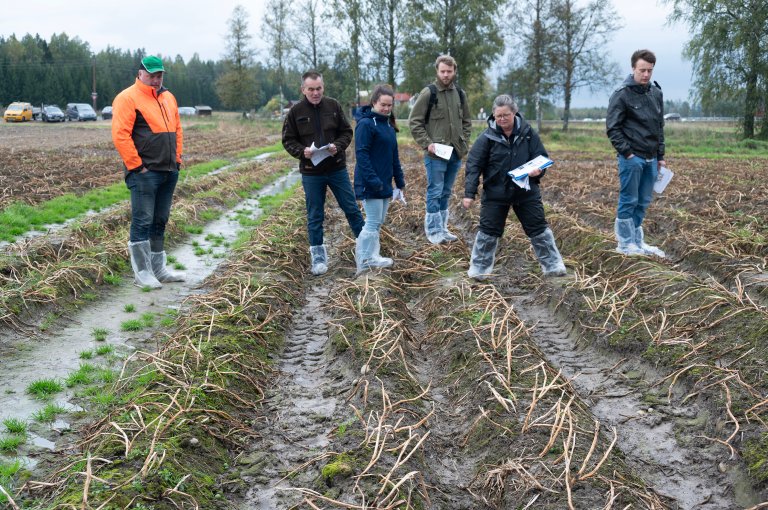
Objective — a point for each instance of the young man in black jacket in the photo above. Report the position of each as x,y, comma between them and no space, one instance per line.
313,123
635,126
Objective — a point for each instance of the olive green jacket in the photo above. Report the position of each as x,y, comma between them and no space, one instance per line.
449,122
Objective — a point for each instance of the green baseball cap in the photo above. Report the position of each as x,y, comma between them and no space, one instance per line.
152,64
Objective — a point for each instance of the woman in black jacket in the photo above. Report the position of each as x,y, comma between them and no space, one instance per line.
508,142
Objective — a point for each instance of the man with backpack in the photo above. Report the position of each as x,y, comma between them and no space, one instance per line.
441,116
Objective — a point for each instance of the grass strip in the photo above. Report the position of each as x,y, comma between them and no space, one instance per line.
18,219
96,247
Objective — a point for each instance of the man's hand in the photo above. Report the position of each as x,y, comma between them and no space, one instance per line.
431,148
333,149
307,152
144,170
467,202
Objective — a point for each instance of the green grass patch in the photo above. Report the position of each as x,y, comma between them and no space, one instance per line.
103,350
11,443
15,426
44,388
8,472
148,319
113,279
48,413
86,355
257,151
132,325
129,308
83,375
100,334
19,218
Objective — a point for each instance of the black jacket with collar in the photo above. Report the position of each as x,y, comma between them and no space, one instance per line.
322,124
493,155
635,120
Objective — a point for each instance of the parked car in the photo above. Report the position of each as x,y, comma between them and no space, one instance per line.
18,112
80,112
187,110
672,117
52,113
106,113
36,112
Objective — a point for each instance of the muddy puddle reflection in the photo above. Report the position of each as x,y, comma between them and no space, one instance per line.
57,353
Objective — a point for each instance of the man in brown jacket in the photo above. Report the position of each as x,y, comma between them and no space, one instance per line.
317,133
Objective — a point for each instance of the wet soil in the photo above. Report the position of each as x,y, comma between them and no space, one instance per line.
55,353
660,439
302,409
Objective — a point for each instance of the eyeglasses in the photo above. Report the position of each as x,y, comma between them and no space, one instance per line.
504,115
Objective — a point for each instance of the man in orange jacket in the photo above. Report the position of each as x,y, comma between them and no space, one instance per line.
146,131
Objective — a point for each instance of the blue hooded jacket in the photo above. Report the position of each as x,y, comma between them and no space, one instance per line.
378,161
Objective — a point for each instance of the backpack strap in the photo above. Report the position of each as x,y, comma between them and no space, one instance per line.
433,99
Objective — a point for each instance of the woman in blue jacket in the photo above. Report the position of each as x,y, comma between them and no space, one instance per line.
377,165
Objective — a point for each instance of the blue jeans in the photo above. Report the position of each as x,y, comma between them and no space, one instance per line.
636,178
151,197
375,213
441,175
315,187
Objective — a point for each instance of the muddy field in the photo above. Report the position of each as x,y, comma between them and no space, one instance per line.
629,383
40,161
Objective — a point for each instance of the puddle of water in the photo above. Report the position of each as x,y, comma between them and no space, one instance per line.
56,354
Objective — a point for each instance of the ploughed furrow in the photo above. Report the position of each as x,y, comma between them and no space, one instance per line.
299,410
624,393
450,403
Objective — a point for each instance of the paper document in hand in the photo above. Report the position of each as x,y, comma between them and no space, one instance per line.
319,153
665,175
397,194
523,170
443,151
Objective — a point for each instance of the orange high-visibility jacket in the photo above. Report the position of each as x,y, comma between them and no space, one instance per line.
146,128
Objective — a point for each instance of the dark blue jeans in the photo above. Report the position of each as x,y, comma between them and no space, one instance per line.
151,197
636,178
315,187
441,175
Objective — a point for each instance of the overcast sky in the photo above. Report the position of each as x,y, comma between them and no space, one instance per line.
173,27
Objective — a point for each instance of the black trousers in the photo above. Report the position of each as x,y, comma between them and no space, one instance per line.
526,204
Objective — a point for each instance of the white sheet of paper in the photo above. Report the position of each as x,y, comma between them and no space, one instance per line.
443,151
665,175
319,153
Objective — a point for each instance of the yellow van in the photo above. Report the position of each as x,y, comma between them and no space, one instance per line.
18,112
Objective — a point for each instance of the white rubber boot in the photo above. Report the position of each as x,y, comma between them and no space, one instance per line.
625,235
161,271
367,254
646,248
446,233
433,227
546,251
319,258
483,256
142,265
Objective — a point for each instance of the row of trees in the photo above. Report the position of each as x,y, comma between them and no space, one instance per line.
548,49
65,70
729,51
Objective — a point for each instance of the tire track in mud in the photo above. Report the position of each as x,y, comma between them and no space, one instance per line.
300,410
658,440
449,467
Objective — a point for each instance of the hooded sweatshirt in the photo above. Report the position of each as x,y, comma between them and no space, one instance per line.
378,161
